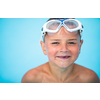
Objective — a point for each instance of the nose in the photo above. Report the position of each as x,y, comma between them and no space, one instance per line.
64,48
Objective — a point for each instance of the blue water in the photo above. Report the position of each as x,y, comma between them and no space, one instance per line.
20,50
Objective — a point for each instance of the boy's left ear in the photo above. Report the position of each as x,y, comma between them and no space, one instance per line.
81,42
43,47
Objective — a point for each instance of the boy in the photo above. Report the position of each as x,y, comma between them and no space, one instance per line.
62,44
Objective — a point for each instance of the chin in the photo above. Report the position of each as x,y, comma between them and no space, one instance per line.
62,65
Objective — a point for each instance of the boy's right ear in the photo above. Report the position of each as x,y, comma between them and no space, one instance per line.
43,47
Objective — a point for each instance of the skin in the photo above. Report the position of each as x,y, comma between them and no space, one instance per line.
62,49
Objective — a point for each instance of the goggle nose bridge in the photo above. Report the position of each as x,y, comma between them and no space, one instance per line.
62,24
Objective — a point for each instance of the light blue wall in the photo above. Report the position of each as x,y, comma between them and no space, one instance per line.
20,50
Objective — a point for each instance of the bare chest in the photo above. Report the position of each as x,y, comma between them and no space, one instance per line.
71,79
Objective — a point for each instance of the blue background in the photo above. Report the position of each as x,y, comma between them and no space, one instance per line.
20,50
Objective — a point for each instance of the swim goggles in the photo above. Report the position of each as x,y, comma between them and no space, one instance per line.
53,26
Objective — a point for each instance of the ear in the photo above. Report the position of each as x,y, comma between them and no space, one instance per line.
81,42
43,47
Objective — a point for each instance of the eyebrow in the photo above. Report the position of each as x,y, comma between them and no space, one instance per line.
55,39
60,39
71,39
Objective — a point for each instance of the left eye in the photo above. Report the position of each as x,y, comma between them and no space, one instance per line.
72,43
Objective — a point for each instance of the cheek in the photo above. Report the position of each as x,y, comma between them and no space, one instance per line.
51,52
75,50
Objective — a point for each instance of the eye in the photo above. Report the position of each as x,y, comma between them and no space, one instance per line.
55,43
71,43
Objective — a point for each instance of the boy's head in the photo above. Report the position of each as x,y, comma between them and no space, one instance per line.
63,46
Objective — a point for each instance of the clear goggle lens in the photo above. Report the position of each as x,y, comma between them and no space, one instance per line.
71,24
53,25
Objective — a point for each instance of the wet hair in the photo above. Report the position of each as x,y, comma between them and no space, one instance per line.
59,18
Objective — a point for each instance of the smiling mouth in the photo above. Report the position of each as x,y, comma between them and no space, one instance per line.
63,57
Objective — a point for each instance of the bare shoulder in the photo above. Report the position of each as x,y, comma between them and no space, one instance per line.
87,75
33,75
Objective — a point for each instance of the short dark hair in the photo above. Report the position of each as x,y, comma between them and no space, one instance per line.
58,18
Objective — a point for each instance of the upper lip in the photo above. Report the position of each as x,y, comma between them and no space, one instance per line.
64,56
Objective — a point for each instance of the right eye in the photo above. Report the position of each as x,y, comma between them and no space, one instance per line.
55,43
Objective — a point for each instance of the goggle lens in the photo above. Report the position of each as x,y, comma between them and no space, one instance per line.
71,24
53,25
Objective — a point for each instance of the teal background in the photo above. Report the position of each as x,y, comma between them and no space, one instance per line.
20,50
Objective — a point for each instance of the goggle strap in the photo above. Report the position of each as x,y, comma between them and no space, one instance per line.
42,33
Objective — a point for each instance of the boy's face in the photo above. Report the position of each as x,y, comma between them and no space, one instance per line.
62,48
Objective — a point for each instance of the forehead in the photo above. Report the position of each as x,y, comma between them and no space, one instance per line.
62,37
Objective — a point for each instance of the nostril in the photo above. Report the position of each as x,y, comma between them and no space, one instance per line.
64,51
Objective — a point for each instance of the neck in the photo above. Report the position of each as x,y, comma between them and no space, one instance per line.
61,74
